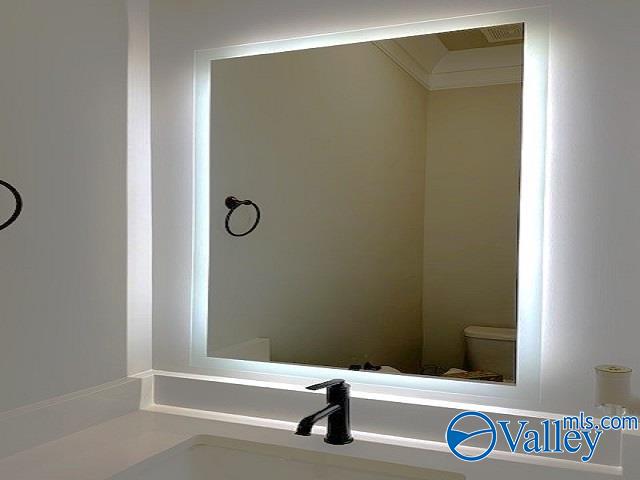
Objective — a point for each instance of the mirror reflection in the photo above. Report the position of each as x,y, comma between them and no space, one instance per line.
364,205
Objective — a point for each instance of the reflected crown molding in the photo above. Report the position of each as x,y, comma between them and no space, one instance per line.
439,69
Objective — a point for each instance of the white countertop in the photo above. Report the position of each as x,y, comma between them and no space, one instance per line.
101,451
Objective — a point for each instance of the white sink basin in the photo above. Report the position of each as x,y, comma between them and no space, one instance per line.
217,458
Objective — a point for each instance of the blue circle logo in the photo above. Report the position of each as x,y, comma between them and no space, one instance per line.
456,438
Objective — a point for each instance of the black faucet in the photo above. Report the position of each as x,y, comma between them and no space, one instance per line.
337,411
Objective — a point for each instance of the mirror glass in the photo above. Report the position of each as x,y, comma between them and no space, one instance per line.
364,205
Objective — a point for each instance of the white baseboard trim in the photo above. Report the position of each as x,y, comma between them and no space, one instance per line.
32,425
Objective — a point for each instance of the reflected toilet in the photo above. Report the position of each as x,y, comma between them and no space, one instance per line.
491,349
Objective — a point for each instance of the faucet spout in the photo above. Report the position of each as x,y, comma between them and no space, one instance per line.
336,411
307,423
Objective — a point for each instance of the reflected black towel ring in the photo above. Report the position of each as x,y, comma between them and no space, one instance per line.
232,203
16,212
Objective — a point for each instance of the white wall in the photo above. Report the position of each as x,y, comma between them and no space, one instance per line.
62,143
331,144
593,223
471,215
139,227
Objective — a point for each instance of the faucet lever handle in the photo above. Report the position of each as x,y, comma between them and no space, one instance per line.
328,383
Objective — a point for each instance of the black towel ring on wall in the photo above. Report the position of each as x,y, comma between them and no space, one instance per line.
232,203
16,212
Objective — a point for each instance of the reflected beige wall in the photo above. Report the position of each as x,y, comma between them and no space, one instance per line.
471,207
330,142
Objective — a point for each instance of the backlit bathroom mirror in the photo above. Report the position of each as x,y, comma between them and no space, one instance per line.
378,186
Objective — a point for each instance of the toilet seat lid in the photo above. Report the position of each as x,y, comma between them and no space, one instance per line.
491,333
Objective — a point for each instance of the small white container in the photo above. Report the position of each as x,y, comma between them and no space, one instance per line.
613,387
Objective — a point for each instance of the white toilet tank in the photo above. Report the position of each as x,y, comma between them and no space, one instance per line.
491,349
